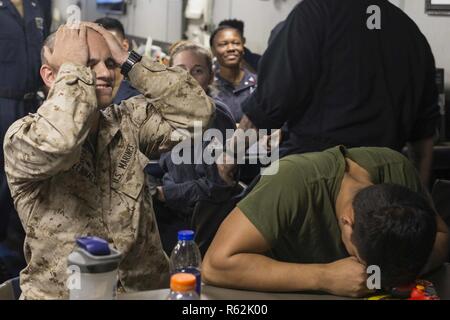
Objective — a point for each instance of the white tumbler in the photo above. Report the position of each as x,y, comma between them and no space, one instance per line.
93,269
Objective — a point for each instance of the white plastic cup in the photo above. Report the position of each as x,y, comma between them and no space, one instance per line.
93,277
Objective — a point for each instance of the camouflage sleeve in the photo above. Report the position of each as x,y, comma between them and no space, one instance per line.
43,144
177,105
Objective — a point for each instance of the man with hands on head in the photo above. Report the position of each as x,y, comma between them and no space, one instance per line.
75,168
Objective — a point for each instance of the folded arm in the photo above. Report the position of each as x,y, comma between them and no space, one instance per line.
236,259
176,105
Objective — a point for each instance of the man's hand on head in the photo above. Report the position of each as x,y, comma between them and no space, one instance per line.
119,54
70,47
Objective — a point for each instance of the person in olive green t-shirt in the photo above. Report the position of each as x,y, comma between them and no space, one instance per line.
323,219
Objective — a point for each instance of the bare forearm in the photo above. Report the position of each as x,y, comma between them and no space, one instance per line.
260,273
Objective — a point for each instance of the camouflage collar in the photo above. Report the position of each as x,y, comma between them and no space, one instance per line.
109,127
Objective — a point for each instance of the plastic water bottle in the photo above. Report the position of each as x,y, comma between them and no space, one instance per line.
186,257
182,287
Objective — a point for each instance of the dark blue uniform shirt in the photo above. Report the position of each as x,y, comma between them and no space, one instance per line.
46,6
125,92
20,49
21,41
186,184
232,96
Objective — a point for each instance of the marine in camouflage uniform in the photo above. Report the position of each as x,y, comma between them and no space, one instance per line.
64,188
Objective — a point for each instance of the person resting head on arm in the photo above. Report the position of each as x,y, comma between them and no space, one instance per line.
323,219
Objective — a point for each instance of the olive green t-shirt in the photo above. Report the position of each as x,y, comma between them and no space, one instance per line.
295,209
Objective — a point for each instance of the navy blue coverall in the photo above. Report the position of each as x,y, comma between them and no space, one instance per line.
21,41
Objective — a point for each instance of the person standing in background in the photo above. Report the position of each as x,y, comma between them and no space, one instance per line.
22,31
336,81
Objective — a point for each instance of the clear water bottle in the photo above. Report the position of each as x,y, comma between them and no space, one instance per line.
186,257
182,287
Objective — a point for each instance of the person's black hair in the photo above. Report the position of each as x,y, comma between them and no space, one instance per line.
111,24
221,28
394,229
237,24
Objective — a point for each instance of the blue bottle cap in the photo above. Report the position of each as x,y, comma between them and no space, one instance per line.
95,246
186,235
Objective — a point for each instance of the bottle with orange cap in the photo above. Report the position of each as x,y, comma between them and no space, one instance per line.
182,287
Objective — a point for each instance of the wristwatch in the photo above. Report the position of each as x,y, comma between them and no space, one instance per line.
133,58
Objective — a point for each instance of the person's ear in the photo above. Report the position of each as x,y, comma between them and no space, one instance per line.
347,224
126,44
48,75
347,220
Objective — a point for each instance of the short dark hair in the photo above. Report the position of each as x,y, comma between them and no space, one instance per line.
221,28
112,24
395,229
50,44
237,24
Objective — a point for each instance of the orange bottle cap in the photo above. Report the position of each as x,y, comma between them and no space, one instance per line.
182,282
